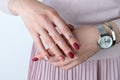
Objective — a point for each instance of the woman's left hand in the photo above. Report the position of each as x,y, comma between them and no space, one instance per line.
88,37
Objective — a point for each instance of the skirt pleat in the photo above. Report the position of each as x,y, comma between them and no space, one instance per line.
102,69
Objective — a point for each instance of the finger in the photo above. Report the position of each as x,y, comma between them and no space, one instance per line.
41,56
54,59
57,38
71,65
50,52
66,31
66,62
77,61
71,27
61,43
40,46
51,44
38,56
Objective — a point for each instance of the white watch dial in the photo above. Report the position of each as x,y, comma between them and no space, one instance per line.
105,42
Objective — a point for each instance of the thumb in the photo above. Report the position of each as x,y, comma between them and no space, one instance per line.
38,57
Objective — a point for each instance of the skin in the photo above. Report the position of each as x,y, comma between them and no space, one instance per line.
86,35
41,20
32,11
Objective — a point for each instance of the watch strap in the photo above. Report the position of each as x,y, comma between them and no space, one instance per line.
101,29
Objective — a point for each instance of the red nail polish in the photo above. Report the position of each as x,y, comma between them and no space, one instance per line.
76,46
71,55
71,27
35,59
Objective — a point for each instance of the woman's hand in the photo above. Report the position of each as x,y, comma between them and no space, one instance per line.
88,37
41,20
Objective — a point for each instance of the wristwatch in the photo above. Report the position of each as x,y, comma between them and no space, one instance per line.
105,40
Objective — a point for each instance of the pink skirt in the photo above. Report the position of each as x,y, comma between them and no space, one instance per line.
102,69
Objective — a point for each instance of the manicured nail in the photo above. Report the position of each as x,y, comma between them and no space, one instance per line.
76,46
46,58
61,58
71,27
71,55
35,59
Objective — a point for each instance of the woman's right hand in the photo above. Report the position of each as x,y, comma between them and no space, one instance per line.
41,20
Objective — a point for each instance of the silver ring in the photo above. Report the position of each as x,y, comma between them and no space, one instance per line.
69,37
58,30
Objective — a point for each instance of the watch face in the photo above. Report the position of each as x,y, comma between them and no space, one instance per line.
105,42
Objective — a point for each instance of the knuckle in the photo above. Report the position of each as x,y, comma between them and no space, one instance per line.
42,16
66,49
58,53
49,42
64,29
56,37
52,12
38,29
52,46
45,20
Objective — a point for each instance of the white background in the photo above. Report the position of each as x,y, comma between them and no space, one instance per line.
15,48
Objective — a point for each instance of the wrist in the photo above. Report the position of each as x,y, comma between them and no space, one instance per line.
17,6
11,6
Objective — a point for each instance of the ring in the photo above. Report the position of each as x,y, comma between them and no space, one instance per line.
58,30
69,37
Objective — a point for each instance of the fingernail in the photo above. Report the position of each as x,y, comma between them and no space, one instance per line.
71,55
61,58
71,27
76,46
35,59
46,58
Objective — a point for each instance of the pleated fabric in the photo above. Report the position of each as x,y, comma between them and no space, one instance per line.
103,69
